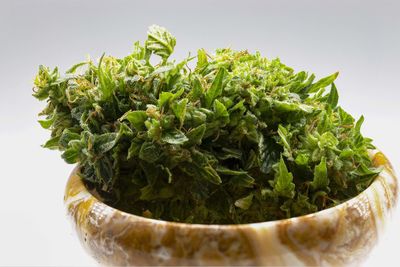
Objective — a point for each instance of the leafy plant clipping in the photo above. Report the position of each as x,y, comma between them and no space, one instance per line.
236,139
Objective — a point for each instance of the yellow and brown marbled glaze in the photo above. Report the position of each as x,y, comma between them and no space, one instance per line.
339,236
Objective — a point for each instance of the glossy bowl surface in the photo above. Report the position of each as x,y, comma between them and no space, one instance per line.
338,236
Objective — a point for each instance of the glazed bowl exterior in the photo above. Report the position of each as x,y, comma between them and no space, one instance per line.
338,236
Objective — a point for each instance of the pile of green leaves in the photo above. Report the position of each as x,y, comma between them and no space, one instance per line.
236,139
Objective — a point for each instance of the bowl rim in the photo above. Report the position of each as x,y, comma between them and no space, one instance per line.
387,169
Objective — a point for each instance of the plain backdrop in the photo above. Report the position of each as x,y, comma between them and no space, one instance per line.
360,39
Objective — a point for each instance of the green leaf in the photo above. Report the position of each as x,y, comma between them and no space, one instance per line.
199,170
284,136
243,180
197,90
71,155
216,88
149,193
66,137
269,153
240,178
324,82
306,108
77,66
149,152
328,140
285,106
124,131
333,97
320,181
211,175
160,41
226,171
104,171
365,171
52,143
220,111
163,69
167,97
105,142
106,81
346,153
134,148
230,153
299,206
153,129
284,185
179,109
302,159
359,123
174,137
164,98
345,118
195,135
201,59
245,202
136,118
48,121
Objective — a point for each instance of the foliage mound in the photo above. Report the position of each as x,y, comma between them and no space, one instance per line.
237,139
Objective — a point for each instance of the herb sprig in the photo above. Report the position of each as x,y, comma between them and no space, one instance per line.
237,139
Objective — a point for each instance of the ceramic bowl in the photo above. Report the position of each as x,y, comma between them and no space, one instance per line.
338,236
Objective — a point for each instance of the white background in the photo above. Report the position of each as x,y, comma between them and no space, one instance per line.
360,39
